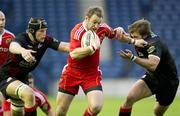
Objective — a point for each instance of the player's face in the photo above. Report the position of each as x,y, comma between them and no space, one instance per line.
136,35
41,34
2,22
93,22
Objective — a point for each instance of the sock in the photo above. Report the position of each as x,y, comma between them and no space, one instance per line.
31,111
125,111
88,112
1,111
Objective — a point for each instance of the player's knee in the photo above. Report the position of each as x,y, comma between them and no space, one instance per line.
16,108
96,108
61,110
27,95
158,112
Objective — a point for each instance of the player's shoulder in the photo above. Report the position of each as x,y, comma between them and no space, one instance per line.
77,31
77,26
21,35
104,25
49,38
153,39
8,33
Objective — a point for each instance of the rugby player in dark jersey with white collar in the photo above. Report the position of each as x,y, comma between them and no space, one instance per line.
27,49
161,78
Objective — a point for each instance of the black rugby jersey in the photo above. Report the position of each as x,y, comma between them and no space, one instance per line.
166,69
17,67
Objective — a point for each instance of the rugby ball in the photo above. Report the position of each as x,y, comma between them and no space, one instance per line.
90,38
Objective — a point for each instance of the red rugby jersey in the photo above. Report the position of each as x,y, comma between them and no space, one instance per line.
89,62
5,38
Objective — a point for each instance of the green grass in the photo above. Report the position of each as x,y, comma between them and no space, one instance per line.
111,107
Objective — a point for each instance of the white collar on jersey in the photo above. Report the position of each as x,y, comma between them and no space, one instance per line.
84,25
1,34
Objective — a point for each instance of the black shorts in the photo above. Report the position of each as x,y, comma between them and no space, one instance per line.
164,93
3,85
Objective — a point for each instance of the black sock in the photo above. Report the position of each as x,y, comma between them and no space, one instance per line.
32,113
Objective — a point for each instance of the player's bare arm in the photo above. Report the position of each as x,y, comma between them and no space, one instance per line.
124,37
63,47
81,52
16,48
149,63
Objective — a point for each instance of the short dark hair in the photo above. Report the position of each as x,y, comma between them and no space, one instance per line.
94,10
142,26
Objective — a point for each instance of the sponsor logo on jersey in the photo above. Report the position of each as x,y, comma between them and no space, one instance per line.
10,78
29,46
151,49
39,45
8,40
3,49
26,64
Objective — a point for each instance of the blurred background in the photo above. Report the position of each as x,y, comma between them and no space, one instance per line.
62,15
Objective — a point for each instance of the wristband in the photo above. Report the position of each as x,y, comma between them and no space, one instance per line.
132,58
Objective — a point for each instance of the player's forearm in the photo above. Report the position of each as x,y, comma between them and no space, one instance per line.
150,63
15,48
63,47
126,39
80,53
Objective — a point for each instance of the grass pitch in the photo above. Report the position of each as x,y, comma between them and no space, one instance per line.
111,107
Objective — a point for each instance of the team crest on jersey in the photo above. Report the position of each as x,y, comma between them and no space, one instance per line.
8,40
151,49
39,45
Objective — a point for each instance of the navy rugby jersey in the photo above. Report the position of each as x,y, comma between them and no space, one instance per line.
18,67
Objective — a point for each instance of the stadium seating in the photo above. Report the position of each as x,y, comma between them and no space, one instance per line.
61,16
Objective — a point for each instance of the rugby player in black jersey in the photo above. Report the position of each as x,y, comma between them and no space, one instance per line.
27,49
160,79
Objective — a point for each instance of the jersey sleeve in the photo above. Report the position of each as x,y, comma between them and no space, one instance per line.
75,38
20,39
106,30
154,48
52,42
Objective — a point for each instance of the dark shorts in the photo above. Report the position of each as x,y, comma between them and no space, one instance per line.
165,93
3,85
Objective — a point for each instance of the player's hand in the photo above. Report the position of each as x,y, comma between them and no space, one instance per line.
140,43
126,54
26,54
95,46
119,32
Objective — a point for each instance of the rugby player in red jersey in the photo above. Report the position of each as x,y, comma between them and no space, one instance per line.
82,69
5,38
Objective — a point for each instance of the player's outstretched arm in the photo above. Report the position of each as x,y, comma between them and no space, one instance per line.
149,63
16,48
63,47
81,52
124,37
